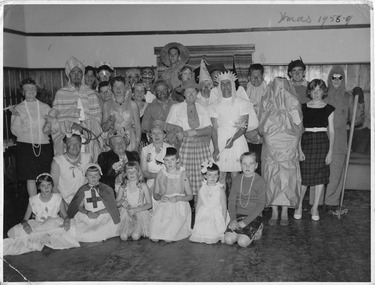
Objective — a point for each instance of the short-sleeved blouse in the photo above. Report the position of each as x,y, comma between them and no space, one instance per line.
316,117
178,116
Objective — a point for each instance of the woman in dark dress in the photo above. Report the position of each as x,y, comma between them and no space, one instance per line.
316,145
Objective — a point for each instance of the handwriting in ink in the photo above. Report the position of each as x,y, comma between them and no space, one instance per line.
322,20
299,19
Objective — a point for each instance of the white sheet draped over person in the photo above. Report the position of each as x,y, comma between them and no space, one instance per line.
230,115
280,124
77,107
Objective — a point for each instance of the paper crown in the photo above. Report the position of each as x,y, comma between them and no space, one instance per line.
204,75
225,76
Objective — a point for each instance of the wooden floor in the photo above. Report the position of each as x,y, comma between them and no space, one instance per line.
331,250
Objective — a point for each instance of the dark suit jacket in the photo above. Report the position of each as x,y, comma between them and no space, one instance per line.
106,161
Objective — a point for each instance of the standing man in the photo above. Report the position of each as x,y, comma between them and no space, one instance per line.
231,116
255,90
296,73
159,108
174,56
78,109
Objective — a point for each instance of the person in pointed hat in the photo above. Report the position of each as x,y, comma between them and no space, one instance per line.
205,86
231,116
174,56
78,108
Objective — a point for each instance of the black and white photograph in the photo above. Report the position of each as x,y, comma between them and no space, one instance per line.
192,141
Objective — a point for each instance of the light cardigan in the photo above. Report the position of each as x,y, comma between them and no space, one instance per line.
21,125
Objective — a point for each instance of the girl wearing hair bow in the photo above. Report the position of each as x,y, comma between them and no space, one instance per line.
47,229
212,216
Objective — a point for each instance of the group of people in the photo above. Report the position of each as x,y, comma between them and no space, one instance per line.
130,152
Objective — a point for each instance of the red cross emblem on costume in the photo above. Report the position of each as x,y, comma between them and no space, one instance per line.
94,199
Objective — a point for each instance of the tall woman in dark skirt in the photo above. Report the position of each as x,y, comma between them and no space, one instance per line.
34,150
316,145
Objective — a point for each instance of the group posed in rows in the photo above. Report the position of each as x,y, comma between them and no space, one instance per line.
130,152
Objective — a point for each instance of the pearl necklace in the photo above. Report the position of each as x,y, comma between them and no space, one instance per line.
248,193
37,146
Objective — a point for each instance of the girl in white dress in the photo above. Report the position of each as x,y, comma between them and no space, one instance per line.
212,216
48,228
134,201
171,217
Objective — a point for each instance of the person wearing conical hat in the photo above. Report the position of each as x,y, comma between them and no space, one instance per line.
78,109
231,117
174,56
205,86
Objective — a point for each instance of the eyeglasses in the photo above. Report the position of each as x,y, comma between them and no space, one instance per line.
337,77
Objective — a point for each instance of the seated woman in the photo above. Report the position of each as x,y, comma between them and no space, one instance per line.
153,154
94,209
66,169
121,114
112,162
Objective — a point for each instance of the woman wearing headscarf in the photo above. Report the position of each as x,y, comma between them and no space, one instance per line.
343,102
280,124
78,109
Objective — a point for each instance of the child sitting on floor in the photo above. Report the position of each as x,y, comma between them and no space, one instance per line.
171,218
94,208
134,201
246,202
48,229
211,217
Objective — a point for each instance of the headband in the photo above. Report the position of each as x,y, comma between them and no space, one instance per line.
45,173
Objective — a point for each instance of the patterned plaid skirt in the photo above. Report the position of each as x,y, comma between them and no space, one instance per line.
193,152
252,230
314,170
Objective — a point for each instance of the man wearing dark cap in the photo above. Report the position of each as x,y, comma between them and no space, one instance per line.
296,73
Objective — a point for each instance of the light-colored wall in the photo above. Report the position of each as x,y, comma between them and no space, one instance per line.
15,46
314,46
